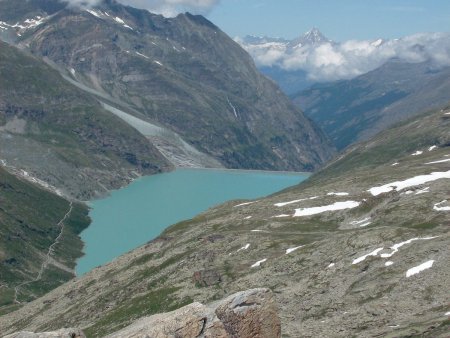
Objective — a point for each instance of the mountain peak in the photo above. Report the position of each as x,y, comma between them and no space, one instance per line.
312,37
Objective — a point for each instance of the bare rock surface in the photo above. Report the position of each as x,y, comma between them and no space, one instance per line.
250,313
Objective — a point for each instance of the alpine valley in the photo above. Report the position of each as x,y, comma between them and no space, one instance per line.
92,98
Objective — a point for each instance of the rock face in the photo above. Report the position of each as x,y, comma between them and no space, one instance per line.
87,150
180,74
63,333
251,313
206,277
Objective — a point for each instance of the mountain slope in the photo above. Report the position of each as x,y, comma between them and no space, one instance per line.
354,110
377,265
61,135
31,220
182,74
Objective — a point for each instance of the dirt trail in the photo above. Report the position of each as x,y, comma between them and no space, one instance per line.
47,257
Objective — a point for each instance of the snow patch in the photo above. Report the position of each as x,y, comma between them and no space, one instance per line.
258,263
397,246
94,13
363,258
144,56
417,153
423,191
417,269
338,194
362,223
440,161
331,265
245,247
282,216
388,263
411,182
246,203
395,164
119,20
158,63
325,208
438,208
288,251
282,204
248,217
432,148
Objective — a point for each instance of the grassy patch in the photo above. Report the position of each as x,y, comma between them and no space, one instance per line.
157,301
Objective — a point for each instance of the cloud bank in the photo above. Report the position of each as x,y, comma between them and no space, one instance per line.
168,8
335,61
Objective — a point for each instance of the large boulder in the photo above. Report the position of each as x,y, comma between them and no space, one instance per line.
251,313
246,314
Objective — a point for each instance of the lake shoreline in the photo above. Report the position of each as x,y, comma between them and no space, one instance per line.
161,200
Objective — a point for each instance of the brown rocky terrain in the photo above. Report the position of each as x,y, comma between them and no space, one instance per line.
342,258
251,313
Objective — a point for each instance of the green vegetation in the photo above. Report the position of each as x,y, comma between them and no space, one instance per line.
29,217
155,301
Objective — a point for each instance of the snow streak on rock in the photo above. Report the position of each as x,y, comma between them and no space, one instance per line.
411,182
332,207
417,269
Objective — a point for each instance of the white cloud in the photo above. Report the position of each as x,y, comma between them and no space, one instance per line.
333,61
171,8
83,3
168,8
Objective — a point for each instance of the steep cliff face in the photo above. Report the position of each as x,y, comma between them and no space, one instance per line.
63,136
183,74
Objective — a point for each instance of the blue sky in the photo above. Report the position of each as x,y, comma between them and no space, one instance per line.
338,19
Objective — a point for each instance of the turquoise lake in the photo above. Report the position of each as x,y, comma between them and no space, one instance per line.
138,213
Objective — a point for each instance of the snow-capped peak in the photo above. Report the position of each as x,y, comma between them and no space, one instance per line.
312,37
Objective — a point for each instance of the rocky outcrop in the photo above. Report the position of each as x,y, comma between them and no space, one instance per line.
251,313
206,277
63,333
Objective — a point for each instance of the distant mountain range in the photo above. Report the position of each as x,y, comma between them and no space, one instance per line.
313,58
263,48
379,82
354,110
